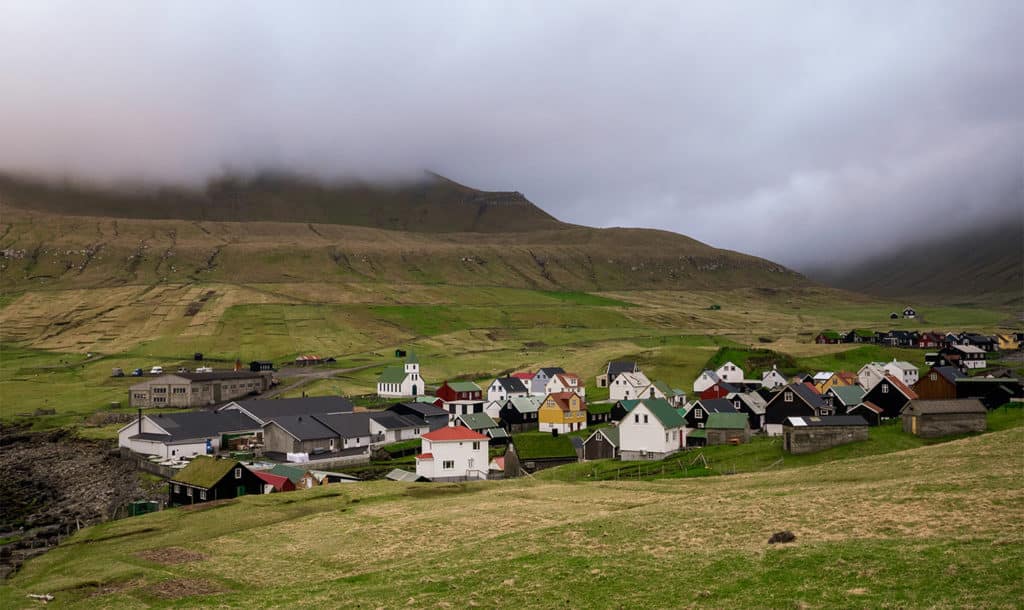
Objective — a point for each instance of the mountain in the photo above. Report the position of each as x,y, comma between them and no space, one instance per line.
274,228
978,262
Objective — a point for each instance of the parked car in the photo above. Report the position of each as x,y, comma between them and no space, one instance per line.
117,372
156,370
137,373
182,369
204,369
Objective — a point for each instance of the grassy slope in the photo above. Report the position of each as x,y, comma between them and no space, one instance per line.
935,527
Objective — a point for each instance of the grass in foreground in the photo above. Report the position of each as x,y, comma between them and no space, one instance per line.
935,527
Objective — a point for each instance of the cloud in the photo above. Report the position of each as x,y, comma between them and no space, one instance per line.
850,125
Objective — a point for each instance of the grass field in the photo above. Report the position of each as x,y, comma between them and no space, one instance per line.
931,527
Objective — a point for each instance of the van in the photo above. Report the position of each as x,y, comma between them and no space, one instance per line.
204,369
156,370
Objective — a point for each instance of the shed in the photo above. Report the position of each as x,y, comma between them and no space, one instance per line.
934,418
602,444
811,434
726,428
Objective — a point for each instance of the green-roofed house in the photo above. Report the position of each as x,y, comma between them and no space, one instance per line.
651,430
602,444
829,337
206,479
674,396
727,428
842,398
599,413
401,380
483,423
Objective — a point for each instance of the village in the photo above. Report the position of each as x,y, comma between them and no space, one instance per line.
238,443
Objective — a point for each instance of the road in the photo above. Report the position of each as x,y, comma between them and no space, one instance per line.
307,377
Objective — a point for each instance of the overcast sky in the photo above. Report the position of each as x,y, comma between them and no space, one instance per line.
799,131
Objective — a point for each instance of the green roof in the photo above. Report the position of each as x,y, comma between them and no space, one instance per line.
497,433
849,394
204,471
464,386
611,432
668,416
539,445
630,404
663,387
526,404
697,434
599,407
478,421
727,421
425,399
392,374
412,359
294,474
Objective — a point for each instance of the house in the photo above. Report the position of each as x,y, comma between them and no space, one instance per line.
870,374
660,389
392,427
197,389
652,430
860,335
991,391
565,382
562,411
459,391
811,434
602,444
841,398
900,338
454,453
274,482
938,382
697,415
930,340
720,390
352,428
178,435
891,395
828,337
727,428
300,477
750,404
206,479
705,380
520,414
265,410
934,418
794,400
435,417
496,468
401,380
483,424
540,379
299,434
871,412
729,372
308,360
902,370
506,387
614,369
909,312
823,380
968,356
982,342
773,379
257,366
1007,342
628,385
599,413
533,451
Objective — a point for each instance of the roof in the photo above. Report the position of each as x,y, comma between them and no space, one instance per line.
712,375
392,374
268,409
902,387
867,404
599,407
499,462
664,413
294,474
697,434
830,334
347,425
848,394
609,432
551,371
717,405
512,384
303,427
412,359
424,409
830,420
525,404
807,394
396,421
425,456
463,386
823,375
616,367
497,432
404,476
205,471
523,376
968,349
753,400
149,436
961,405
727,421
562,400
541,445
278,481
454,433
566,379
477,421
200,424
903,365
219,375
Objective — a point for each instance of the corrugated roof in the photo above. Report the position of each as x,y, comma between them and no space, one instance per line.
477,421
464,386
396,421
294,474
697,434
609,432
190,425
848,394
219,375
512,384
347,425
727,421
525,404
960,405
303,427
830,420
268,409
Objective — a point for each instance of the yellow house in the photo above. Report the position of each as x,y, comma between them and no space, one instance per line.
1007,343
825,380
562,411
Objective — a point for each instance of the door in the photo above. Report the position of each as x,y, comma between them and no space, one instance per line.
913,424
414,389
216,392
240,490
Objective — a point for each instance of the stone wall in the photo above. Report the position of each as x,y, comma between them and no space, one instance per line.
799,440
932,425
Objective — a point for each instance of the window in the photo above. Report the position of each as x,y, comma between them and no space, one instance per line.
788,397
476,445
636,418
645,419
448,465
238,473
177,489
698,414
202,495
666,437
933,376
700,425
188,491
885,388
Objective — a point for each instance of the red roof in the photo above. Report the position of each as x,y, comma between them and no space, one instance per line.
456,433
811,385
902,387
280,483
562,400
522,375
500,462
870,405
425,456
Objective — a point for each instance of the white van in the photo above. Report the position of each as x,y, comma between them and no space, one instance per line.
156,370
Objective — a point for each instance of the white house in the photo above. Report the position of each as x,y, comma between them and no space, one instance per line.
185,434
506,387
870,374
651,431
392,427
400,381
705,381
904,371
773,379
627,386
565,382
453,453
730,373
540,380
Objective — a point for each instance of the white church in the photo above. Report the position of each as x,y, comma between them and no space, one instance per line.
401,381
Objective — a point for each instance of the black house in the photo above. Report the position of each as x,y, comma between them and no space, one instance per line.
993,392
206,479
519,414
697,416
261,365
434,416
794,400
891,395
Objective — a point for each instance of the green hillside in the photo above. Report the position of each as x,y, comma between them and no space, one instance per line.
891,530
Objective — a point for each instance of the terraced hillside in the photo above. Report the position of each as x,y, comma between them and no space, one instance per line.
934,527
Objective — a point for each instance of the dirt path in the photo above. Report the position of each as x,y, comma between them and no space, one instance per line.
306,378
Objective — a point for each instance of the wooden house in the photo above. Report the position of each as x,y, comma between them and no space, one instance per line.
565,382
532,451
506,387
704,381
614,369
562,412
727,428
730,372
773,379
902,370
299,476
811,434
602,444
935,418
652,430
891,395
274,482
871,412
206,479
794,400
599,413
828,337
483,424
909,312
750,404
1007,342
991,391
520,414
841,398
459,391
938,383
434,416
540,379
455,453
719,390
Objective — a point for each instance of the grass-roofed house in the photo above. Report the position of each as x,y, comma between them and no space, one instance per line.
206,479
533,451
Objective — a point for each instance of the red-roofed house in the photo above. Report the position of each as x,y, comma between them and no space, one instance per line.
566,382
274,482
891,395
453,453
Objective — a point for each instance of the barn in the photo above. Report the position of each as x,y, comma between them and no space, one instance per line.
811,434
934,418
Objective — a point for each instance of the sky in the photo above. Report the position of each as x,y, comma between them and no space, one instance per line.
810,133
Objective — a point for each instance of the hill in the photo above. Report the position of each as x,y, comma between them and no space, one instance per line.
870,532
982,263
